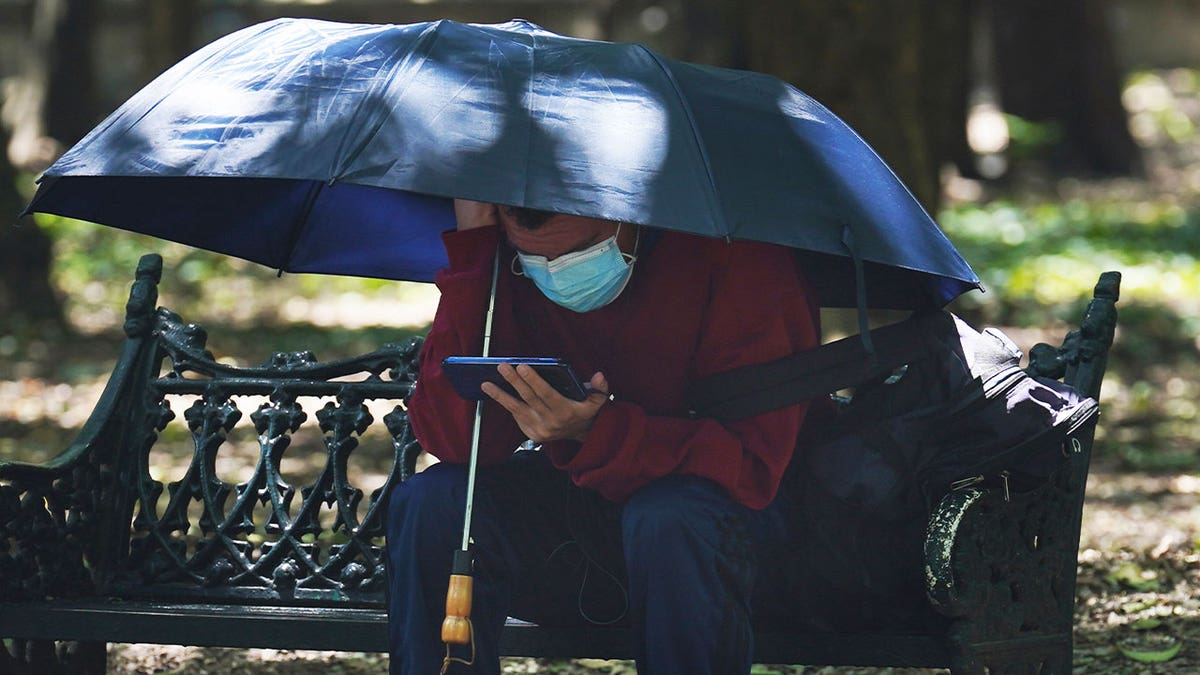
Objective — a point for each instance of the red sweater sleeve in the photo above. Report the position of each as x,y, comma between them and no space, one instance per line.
441,419
760,309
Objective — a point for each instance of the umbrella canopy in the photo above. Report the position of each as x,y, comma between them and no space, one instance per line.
313,146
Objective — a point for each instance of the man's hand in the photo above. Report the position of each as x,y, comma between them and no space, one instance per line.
470,215
541,412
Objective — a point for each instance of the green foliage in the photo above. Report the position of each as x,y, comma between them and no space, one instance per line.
1039,258
1132,577
1155,101
93,267
1155,648
1028,139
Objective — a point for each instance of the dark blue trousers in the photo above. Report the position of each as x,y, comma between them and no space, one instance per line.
676,563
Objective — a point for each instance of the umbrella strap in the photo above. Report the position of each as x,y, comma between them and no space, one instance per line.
860,289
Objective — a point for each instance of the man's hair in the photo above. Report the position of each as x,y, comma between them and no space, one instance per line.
528,219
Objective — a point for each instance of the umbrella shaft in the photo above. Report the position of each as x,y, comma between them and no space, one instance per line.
473,462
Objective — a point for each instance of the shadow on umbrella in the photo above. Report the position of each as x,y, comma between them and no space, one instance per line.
314,146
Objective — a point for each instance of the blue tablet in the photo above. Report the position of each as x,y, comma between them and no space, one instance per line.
468,373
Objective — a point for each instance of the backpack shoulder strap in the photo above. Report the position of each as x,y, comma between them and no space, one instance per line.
758,388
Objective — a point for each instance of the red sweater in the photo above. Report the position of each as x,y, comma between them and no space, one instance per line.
694,306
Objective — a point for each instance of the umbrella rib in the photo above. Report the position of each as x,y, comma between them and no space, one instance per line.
529,88
714,201
297,230
419,51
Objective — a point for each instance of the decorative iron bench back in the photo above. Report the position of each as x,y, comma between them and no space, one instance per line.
204,535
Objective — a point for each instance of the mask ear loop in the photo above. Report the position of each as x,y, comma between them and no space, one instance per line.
637,241
515,266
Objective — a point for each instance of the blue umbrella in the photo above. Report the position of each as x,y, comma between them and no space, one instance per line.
313,146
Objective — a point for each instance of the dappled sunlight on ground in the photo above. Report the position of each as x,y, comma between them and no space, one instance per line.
1155,513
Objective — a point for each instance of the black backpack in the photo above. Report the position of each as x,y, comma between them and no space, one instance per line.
936,406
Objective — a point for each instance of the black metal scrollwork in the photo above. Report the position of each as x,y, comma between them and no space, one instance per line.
99,518
233,548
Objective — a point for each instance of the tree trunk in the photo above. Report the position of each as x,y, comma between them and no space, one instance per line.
26,294
894,70
1055,63
167,33
70,110
699,31
51,107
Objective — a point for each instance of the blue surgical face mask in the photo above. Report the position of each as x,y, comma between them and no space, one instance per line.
583,280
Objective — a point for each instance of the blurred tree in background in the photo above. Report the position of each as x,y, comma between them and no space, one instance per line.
905,74
49,105
25,256
894,70
168,32
1055,64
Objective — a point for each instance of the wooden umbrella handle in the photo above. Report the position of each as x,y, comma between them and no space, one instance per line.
456,629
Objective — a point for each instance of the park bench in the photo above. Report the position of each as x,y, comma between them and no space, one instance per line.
96,546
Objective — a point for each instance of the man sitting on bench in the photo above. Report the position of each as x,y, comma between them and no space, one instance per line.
628,511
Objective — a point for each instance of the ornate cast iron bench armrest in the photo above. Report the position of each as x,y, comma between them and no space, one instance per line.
1003,566
50,512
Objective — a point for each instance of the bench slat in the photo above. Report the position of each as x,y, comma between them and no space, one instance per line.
320,628
365,630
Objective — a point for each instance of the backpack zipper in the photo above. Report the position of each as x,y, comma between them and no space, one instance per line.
970,481
963,483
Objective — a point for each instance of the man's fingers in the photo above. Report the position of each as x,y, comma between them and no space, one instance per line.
469,214
508,401
520,378
540,410
598,384
546,394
